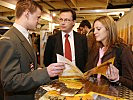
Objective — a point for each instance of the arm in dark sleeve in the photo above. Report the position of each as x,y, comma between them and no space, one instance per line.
85,49
48,52
12,78
127,68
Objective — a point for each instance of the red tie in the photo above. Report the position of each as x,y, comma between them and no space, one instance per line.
67,48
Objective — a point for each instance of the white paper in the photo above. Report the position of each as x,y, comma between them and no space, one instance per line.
70,68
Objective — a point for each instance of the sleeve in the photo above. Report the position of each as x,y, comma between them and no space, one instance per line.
48,52
127,68
85,45
12,78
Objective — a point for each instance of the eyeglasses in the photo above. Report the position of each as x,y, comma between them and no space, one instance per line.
65,20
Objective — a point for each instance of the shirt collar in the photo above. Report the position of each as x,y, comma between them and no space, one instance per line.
21,29
70,33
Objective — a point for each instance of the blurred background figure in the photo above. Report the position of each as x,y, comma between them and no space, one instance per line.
78,30
37,44
85,27
33,37
56,30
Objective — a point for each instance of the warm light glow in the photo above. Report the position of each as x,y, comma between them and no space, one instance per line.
115,13
46,17
54,14
8,5
4,27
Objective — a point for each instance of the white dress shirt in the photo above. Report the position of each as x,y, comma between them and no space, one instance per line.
71,40
22,30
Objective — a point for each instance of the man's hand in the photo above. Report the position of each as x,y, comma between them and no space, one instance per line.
55,69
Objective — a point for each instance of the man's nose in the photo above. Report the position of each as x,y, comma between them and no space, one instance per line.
62,23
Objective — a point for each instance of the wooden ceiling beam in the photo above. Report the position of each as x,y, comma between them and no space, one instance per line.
74,2
7,5
104,1
48,5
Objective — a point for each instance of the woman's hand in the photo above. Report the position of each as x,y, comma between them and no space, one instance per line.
112,73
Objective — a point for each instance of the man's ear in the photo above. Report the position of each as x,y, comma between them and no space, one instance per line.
74,22
26,13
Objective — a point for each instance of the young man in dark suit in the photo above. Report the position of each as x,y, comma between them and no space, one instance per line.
19,73
56,43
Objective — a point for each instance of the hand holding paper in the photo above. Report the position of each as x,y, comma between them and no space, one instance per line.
69,70
102,69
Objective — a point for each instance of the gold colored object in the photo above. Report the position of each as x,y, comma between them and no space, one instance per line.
104,96
72,69
4,37
51,95
80,97
101,69
73,84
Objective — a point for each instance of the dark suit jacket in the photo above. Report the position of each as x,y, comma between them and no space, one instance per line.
16,55
54,46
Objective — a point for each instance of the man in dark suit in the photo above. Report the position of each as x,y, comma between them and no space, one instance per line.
56,43
19,74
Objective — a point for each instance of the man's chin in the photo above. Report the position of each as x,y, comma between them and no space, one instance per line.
63,30
32,29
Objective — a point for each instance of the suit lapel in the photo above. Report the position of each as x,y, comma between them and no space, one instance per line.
76,44
25,43
59,44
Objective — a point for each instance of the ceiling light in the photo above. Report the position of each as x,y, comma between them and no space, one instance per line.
115,13
54,14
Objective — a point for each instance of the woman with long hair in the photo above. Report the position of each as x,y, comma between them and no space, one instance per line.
110,45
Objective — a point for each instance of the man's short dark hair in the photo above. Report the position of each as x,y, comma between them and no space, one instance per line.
69,10
85,23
